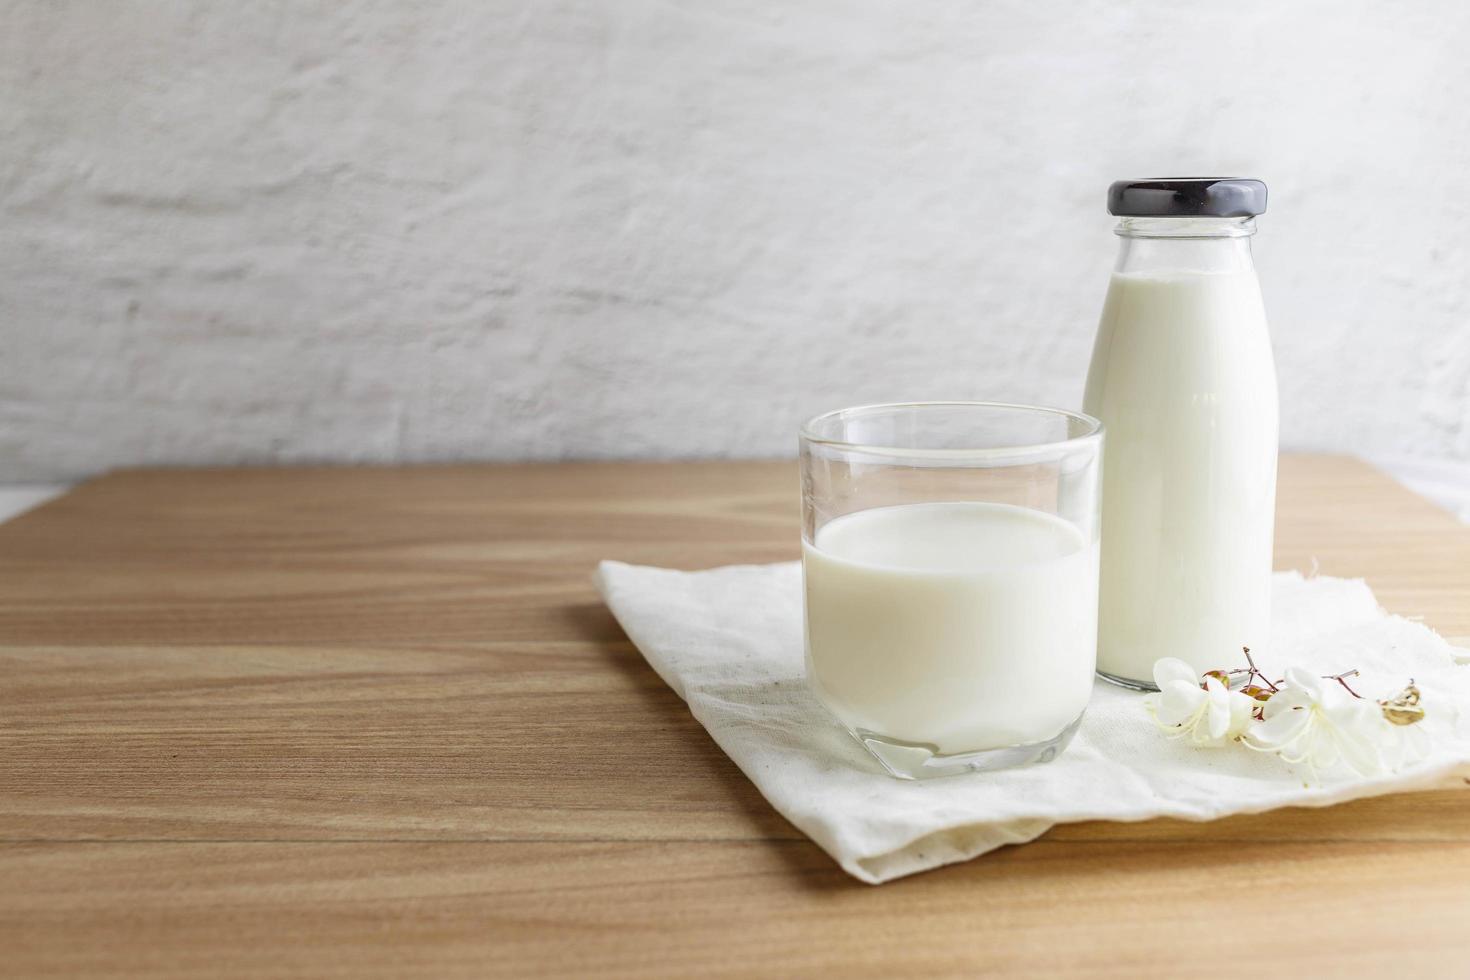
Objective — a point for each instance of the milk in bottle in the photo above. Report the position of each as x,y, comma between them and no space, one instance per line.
1183,380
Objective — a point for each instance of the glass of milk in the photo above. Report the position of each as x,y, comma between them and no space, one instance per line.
950,552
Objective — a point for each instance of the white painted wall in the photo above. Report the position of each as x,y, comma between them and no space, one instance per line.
359,230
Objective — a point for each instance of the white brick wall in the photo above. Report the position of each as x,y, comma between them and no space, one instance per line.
356,230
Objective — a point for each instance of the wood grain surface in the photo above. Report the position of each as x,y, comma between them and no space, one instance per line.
375,722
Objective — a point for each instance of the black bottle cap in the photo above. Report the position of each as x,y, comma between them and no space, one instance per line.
1185,197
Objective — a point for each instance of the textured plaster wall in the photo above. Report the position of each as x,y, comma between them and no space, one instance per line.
393,231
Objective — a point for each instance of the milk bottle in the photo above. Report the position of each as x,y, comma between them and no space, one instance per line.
1183,380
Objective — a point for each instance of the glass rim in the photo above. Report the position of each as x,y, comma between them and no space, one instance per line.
1094,431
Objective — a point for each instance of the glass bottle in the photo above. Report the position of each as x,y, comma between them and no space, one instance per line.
1183,379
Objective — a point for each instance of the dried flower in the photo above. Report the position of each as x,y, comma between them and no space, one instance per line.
1403,708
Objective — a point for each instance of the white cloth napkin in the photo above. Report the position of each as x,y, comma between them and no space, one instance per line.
729,642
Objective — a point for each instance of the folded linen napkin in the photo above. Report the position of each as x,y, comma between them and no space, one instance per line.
729,642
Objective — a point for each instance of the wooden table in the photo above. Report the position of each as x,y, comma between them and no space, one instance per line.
375,722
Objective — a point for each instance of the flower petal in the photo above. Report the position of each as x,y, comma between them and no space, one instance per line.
1284,701
1322,748
1241,708
1217,696
1280,730
1361,732
1304,680
1405,745
1360,753
1179,700
1167,669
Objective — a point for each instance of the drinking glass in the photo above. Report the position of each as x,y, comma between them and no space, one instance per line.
950,558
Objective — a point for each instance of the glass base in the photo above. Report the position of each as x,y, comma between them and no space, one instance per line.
916,760
1127,682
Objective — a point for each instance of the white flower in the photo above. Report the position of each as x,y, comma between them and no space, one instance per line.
1316,725
1402,745
1208,715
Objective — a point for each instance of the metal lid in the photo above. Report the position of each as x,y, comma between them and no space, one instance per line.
1185,197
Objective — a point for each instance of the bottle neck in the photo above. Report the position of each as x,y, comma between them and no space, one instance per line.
1160,246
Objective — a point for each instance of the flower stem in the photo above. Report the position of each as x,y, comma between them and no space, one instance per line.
1255,671
1342,679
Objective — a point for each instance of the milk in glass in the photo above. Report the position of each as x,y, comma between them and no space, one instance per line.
956,625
